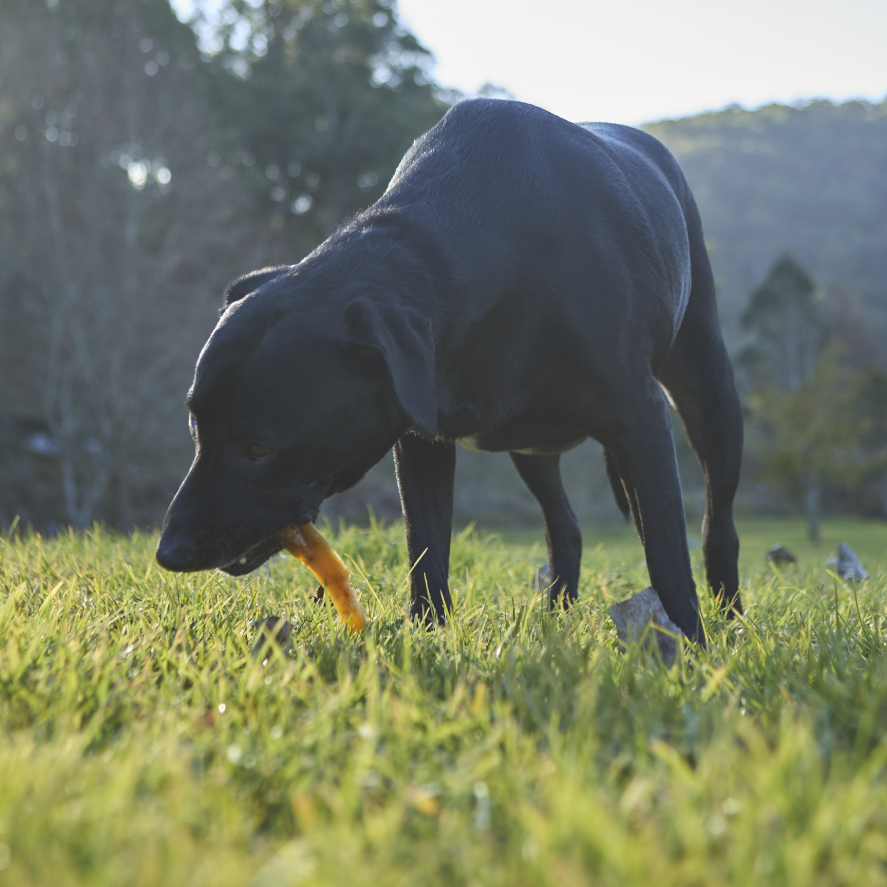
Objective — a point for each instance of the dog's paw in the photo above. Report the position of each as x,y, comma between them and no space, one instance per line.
269,631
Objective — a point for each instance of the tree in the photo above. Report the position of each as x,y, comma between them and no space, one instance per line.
323,99
114,235
138,175
808,435
800,420
783,319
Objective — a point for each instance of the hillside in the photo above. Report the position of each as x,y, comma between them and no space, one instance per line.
811,179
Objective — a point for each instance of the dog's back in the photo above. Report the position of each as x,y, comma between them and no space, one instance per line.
546,237
524,204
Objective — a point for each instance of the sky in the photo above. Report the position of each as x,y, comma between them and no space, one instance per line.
630,61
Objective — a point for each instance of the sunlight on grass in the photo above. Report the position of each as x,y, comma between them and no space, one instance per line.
142,743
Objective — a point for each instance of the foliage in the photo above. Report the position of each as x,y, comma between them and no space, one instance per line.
807,436
809,403
113,272
326,96
143,744
127,204
783,317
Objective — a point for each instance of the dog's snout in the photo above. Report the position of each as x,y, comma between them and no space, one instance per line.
173,555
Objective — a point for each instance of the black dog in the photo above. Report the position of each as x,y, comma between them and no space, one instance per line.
523,284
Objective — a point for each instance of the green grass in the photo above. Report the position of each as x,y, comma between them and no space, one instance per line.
142,744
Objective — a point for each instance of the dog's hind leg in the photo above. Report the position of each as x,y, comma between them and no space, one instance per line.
425,473
543,477
619,493
699,379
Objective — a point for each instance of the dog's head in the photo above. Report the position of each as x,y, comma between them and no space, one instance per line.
295,397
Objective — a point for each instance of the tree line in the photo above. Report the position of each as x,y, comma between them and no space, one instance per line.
141,169
145,162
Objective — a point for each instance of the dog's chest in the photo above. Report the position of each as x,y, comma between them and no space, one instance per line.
532,429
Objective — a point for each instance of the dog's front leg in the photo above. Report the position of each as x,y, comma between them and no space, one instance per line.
644,450
425,472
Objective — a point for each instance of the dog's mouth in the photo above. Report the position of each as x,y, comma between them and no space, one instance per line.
254,557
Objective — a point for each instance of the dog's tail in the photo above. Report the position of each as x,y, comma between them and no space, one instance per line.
616,484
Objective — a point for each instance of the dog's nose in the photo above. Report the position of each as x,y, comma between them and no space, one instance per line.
172,555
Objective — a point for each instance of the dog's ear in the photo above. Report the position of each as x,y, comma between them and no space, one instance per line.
397,342
249,283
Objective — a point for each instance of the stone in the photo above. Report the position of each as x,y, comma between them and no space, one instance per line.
632,616
847,564
780,556
542,579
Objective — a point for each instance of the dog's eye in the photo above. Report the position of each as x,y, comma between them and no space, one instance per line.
258,452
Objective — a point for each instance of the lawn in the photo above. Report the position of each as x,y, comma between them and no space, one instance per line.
141,743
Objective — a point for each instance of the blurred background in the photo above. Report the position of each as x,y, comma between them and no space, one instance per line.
151,152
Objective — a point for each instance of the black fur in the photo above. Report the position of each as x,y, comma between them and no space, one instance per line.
523,284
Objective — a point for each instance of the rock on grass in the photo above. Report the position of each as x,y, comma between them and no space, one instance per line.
633,616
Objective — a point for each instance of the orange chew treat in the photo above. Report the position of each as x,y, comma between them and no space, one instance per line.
305,543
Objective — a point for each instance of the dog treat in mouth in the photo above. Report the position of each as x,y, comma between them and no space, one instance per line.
305,543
